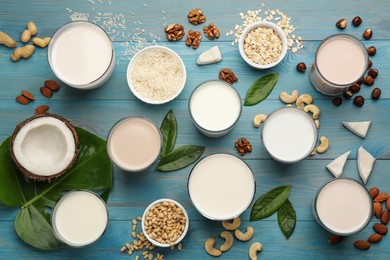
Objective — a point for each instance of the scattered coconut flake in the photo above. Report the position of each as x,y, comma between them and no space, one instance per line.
337,165
358,128
365,163
212,55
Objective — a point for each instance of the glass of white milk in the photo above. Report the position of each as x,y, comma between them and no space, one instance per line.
340,61
81,55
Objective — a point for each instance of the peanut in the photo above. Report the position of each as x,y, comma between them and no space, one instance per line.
41,42
30,31
22,52
6,40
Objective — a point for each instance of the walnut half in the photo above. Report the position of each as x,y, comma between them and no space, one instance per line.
227,75
174,32
193,38
211,31
196,16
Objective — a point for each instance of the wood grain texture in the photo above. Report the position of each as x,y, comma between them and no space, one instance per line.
99,109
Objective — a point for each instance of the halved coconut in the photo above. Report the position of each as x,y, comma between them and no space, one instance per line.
44,146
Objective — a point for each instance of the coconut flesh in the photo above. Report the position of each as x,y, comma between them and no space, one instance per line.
44,146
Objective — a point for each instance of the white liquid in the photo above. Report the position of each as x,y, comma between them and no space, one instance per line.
344,206
81,54
80,218
134,143
341,61
289,135
221,186
215,106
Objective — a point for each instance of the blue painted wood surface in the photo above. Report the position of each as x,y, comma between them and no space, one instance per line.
99,109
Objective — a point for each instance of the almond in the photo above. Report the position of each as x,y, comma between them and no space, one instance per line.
374,191
335,239
28,95
52,85
381,197
374,238
46,92
380,228
377,209
385,217
41,109
23,100
362,244
388,203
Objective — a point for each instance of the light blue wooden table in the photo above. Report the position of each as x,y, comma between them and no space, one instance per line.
97,111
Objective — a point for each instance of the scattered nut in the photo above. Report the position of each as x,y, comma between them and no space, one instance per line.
232,225
356,21
324,145
227,75
347,94
374,238
196,16
7,40
174,32
243,146
287,98
313,109
358,101
303,100
244,236
22,100
376,93
373,73
46,92
385,218
28,95
355,88
209,247
367,34
362,244
211,31
193,38
374,191
369,81
381,197
32,28
337,101
41,42
228,241
254,249
301,67
369,64
258,119
371,51
26,36
388,203
361,80
22,52
52,85
317,123
377,209
341,24
335,239
380,228
41,109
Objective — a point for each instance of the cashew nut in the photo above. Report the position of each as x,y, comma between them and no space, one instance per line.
209,247
288,99
253,249
313,109
317,123
232,225
228,241
258,120
244,236
304,99
324,145
314,152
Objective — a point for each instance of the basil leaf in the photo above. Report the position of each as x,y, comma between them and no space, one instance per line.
260,89
287,218
168,130
180,158
269,202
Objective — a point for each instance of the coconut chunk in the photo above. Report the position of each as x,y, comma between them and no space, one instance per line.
212,55
358,128
337,165
365,163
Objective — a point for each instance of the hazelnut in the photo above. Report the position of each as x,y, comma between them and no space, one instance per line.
371,51
355,88
369,64
359,101
361,80
356,21
347,94
301,67
376,93
367,34
337,101
341,24
373,73
369,81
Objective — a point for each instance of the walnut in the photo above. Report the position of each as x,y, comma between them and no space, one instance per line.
196,16
211,31
243,146
227,75
193,38
174,32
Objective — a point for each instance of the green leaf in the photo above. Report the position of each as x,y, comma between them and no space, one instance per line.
168,130
92,171
269,202
287,218
180,158
260,89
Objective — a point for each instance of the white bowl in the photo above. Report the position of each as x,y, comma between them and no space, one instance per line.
185,228
255,25
144,98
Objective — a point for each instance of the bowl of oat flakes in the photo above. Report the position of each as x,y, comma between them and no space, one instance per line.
263,45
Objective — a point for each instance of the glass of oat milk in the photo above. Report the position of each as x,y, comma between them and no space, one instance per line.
79,218
289,135
340,61
343,206
81,55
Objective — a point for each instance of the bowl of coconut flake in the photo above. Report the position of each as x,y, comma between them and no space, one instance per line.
156,75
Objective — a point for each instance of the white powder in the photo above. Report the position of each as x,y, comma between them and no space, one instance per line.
157,75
